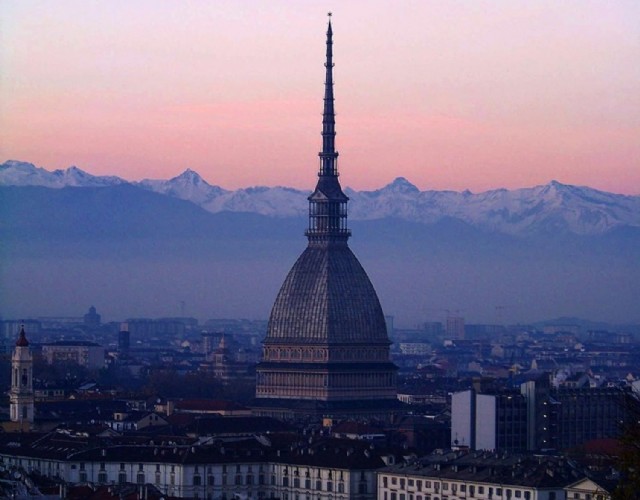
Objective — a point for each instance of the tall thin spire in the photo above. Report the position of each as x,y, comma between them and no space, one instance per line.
328,156
328,204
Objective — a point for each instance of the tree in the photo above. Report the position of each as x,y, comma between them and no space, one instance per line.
629,464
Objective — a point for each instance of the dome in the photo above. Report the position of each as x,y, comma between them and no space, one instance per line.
327,298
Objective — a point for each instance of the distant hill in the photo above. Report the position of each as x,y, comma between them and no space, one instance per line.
550,208
139,249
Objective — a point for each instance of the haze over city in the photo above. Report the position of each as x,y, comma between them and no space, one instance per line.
450,95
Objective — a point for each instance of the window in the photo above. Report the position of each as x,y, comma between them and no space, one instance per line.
211,480
318,485
83,476
385,482
122,477
197,480
102,477
401,483
140,478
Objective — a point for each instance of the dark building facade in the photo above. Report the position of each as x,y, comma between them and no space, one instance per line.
536,418
326,353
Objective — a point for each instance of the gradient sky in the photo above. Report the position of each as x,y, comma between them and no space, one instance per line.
450,94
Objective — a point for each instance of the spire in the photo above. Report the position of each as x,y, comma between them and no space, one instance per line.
329,155
328,204
22,338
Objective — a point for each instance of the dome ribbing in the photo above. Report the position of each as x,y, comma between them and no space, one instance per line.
327,298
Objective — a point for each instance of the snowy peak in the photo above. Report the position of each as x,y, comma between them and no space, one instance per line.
19,173
401,185
549,208
189,177
189,185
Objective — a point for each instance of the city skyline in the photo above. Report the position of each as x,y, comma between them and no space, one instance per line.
448,95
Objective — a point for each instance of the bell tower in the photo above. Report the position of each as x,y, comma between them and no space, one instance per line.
21,394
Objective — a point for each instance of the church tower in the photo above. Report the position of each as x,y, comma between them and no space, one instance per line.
326,353
21,393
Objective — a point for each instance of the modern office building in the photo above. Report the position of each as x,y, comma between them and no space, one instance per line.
537,418
489,421
83,352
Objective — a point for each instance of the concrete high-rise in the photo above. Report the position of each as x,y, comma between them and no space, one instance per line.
326,353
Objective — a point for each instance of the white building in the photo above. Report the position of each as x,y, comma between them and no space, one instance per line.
253,468
479,476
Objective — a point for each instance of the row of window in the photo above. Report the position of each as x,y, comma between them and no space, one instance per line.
307,484
436,486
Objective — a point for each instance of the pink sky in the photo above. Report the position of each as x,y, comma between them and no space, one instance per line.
450,94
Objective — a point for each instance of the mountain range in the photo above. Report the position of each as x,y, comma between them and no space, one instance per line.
69,240
548,208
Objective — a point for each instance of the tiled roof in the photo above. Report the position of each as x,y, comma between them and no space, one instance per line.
208,405
494,468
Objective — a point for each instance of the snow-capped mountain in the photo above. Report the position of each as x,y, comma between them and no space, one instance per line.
550,207
18,173
186,186
273,201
